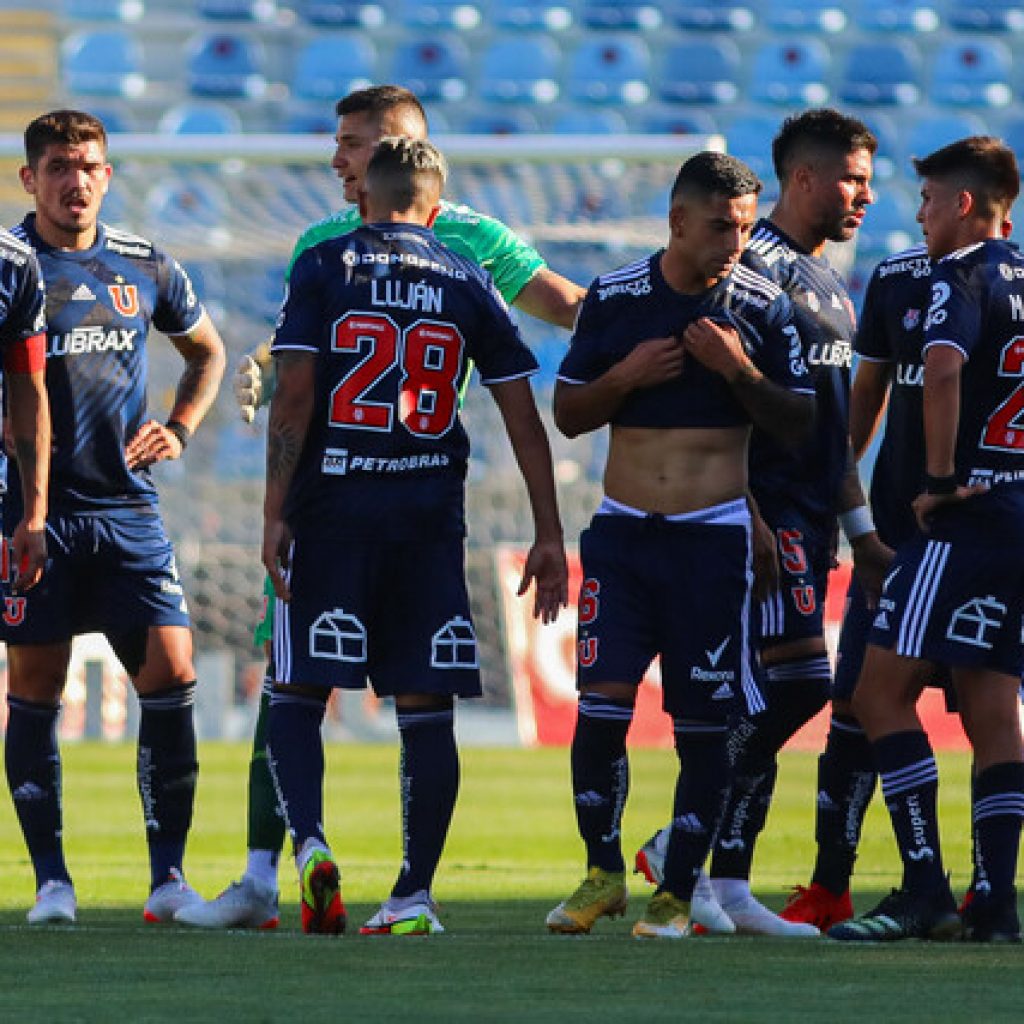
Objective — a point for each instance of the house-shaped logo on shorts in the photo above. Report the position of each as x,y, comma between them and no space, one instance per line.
454,645
971,621
337,636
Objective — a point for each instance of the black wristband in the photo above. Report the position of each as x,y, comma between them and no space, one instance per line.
180,431
940,484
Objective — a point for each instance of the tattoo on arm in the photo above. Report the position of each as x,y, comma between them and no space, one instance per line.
283,449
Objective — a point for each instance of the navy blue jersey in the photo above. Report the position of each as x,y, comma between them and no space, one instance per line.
22,312
100,303
809,477
977,306
891,330
396,321
635,303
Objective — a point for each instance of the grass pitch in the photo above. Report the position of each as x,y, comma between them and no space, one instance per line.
512,854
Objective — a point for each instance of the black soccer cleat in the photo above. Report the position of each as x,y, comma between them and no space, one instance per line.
904,915
991,918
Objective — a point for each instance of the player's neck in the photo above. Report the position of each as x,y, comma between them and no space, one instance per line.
682,276
795,227
61,238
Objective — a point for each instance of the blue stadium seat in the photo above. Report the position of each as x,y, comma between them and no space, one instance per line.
500,121
705,72
889,224
576,120
208,281
226,65
520,69
805,16
615,15
443,15
678,121
331,65
749,136
116,118
881,73
237,10
436,68
916,16
106,63
341,13
611,69
1013,135
889,155
930,132
200,119
103,10
794,72
531,15
180,205
986,15
708,16
971,72
308,119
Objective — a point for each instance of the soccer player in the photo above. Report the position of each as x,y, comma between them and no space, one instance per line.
520,274
678,354
366,463
955,594
111,565
23,347
823,161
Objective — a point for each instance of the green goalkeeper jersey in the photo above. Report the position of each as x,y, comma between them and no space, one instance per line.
486,241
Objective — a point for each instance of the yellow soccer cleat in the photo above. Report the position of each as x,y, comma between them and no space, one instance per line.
666,917
601,894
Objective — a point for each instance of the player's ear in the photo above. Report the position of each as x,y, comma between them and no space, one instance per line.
965,202
433,215
28,179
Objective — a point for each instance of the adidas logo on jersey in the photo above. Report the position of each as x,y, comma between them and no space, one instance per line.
83,294
724,692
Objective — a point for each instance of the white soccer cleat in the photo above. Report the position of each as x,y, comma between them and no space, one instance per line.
166,900
243,904
55,904
411,916
650,858
753,918
707,912
248,387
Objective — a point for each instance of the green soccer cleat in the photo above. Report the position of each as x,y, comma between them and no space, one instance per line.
904,915
601,894
666,917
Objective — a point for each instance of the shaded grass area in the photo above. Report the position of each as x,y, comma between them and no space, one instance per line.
513,853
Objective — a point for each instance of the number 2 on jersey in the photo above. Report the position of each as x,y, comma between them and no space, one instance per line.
1005,428
429,355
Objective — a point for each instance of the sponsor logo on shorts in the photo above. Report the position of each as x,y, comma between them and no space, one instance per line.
976,622
454,645
337,636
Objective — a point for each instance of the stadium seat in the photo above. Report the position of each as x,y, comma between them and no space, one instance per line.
530,15
611,69
806,16
520,69
106,63
576,120
103,10
794,72
308,119
331,65
883,74
237,10
226,65
916,16
614,15
986,15
749,136
436,68
441,15
889,155
930,132
116,118
341,13
707,16
500,121
200,119
971,73
1013,135
705,72
678,121
889,224
180,206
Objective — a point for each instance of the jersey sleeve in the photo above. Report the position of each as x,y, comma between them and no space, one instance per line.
510,260
498,349
178,310
24,302
301,322
586,358
781,359
954,316
872,340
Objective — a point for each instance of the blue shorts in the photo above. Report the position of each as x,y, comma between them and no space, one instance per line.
679,589
394,613
853,639
796,610
958,602
110,572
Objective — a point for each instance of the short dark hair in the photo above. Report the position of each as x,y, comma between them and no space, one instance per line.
62,128
982,164
709,173
379,99
404,168
821,129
